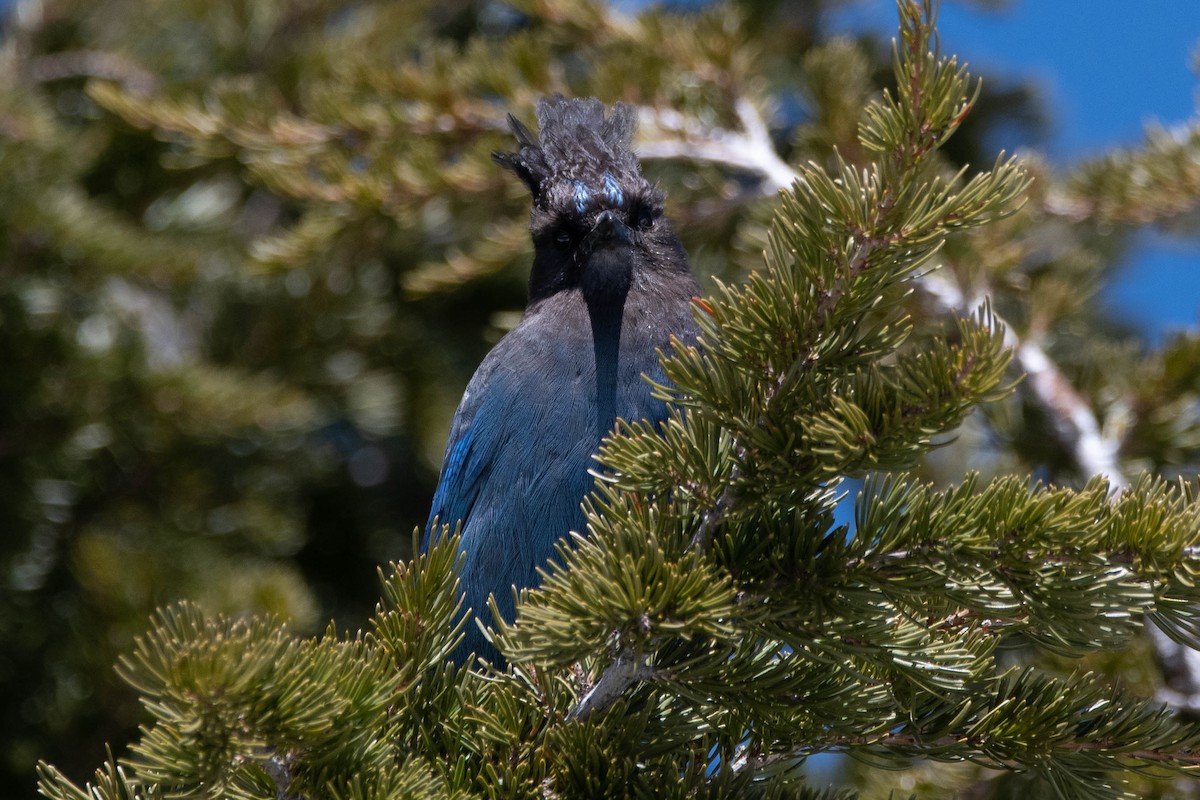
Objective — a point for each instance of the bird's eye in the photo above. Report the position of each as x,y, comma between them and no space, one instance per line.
562,239
644,217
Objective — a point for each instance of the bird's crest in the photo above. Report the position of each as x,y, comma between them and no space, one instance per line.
581,155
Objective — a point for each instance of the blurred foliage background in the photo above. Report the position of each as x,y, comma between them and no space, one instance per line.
251,251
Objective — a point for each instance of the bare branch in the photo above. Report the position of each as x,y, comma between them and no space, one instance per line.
628,669
279,769
1073,419
1180,666
94,64
673,135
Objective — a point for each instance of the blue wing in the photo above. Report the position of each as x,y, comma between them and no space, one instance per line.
514,473
458,488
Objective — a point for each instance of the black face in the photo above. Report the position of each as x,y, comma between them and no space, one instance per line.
597,224
595,235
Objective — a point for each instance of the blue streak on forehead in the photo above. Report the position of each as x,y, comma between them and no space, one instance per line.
583,197
612,192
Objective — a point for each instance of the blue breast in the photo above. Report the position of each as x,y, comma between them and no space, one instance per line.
517,464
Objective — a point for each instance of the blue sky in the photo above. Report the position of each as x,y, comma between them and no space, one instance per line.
1105,69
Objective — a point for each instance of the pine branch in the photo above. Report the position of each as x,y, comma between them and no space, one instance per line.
915,745
1076,422
871,231
1093,453
1155,182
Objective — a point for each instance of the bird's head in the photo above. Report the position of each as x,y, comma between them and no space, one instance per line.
597,224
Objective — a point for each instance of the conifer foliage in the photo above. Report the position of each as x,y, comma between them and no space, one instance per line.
716,625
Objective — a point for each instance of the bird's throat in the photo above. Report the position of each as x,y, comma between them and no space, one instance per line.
606,349
606,277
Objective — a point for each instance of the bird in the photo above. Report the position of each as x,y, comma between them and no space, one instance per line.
609,287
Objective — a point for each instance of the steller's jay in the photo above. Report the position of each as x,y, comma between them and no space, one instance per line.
610,285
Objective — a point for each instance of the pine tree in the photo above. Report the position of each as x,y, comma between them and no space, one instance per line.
717,625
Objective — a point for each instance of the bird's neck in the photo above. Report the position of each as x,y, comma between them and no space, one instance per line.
619,332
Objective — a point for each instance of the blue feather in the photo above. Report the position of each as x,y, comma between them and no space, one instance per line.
583,198
612,191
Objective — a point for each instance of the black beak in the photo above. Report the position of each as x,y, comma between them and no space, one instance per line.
609,228
607,259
